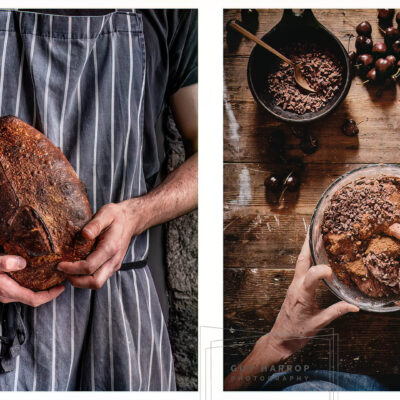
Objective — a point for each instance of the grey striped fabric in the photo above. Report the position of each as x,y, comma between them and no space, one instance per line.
81,80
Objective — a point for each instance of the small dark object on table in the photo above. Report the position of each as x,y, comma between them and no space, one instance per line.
309,144
364,44
292,182
350,128
391,35
272,182
364,28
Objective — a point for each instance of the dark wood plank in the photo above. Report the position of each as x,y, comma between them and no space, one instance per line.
260,233
244,186
368,343
377,141
254,241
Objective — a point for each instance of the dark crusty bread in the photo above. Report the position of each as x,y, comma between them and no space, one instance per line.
43,205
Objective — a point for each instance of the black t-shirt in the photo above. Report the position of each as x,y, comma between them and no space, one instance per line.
171,56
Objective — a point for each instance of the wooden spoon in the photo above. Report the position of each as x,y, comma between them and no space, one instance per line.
298,75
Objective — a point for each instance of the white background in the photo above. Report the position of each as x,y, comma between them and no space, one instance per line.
210,185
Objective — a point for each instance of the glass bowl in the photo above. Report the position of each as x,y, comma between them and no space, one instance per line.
350,294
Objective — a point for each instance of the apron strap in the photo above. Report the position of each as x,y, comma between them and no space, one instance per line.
13,335
133,265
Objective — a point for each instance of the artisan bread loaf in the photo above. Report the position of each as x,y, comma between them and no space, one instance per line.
43,205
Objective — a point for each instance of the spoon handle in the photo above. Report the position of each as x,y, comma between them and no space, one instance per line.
250,36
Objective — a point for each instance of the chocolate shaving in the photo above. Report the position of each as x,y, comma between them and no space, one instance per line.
321,70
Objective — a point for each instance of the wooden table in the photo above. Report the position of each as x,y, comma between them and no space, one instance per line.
262,241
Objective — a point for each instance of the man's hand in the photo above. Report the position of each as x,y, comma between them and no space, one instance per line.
300,318
298,321
11,291
113,226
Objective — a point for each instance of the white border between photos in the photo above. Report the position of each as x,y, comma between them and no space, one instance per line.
210,189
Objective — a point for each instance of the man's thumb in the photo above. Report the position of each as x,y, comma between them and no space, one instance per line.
11,263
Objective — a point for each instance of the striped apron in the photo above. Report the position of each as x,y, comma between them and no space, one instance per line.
80,80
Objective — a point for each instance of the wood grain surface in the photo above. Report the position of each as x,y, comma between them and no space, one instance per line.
262,238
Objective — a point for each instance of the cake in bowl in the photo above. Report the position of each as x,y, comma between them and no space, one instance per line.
361,232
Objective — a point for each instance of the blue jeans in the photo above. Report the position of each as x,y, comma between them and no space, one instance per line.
327,381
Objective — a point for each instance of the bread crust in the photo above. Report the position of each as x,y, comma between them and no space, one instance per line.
43,205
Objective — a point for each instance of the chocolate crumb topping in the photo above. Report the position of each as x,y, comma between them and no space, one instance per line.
357,239
364,203
321,70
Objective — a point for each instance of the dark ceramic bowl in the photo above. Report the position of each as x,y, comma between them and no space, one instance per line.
300,28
